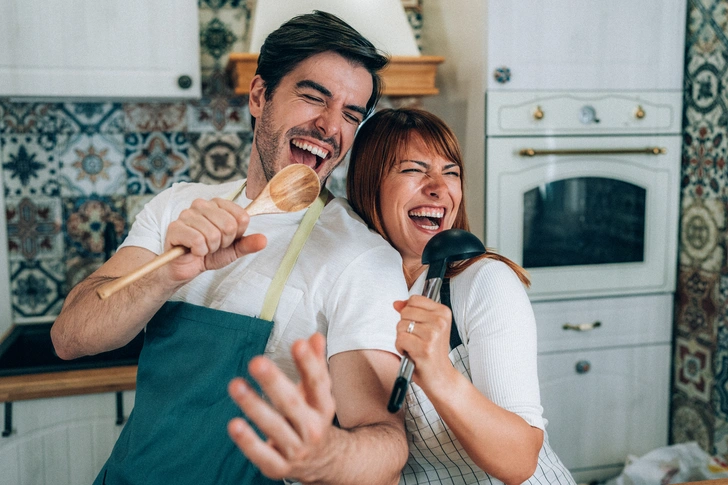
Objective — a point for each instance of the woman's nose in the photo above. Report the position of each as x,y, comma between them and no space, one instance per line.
436,186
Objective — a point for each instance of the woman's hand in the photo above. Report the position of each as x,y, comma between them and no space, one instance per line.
427,343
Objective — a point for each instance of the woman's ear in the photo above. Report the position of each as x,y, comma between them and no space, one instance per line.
256,99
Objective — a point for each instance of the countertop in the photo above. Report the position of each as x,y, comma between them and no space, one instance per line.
67,383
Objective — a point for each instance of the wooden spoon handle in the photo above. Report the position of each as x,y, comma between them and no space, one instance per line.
107,289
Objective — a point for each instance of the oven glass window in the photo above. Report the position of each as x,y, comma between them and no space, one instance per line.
585,220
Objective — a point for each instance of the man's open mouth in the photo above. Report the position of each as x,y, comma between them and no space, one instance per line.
308,154
429,219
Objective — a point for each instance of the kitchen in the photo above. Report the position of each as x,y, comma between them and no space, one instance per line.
190,132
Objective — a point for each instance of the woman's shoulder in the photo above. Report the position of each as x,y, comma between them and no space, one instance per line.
489,272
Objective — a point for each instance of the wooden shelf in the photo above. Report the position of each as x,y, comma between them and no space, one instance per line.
404,76
67,383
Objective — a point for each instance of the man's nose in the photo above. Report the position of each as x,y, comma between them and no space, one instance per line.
328,122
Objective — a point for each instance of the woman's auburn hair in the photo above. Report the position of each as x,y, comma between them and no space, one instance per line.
380,143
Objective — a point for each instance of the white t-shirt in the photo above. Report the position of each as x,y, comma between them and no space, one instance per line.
495,321
343,284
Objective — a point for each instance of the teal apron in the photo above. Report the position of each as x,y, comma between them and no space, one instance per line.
177,431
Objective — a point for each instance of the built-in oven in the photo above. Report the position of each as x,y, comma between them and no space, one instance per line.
583,190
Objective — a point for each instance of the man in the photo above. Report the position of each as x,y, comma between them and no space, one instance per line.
316,81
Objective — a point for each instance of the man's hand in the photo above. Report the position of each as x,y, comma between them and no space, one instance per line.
297,422
213,230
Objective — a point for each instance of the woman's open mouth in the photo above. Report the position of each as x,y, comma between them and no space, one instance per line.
308,154
429,219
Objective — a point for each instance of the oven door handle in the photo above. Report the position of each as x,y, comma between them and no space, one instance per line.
532,152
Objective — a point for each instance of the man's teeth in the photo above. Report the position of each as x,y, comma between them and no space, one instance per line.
319,152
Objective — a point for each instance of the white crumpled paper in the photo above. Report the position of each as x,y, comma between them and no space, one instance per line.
684,462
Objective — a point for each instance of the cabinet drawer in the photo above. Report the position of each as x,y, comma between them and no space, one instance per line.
617,404
628,320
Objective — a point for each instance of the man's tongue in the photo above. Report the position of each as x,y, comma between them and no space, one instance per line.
304,156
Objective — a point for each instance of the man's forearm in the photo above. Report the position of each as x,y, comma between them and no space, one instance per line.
88,325
372,454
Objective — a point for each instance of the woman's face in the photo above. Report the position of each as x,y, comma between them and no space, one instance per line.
419,198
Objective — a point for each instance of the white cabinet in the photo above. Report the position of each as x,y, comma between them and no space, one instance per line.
605,388
60,441
586,45
99,49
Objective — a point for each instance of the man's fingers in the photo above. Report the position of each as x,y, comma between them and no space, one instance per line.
250,244
268,420
263,455
285,396
310,358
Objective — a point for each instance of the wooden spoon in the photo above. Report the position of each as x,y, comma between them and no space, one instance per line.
292,189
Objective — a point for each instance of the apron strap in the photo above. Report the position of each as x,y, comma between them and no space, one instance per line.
273,295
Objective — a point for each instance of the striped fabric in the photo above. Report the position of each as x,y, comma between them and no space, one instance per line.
437,457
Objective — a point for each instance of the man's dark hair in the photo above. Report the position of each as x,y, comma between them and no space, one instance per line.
310,34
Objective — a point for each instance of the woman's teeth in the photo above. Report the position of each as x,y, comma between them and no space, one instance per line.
428,219
319,152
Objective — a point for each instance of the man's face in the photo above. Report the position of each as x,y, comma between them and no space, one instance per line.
312,116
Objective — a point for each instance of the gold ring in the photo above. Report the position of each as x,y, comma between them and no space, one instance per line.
410,327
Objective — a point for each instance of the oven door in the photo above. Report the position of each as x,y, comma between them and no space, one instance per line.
586,216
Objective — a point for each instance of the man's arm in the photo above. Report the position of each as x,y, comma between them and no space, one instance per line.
370,446
212,230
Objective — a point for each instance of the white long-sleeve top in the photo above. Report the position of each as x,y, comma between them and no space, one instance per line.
496,325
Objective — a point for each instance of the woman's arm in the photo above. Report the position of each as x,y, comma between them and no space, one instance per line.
500,333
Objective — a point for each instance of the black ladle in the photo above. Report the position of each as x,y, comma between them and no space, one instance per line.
446,247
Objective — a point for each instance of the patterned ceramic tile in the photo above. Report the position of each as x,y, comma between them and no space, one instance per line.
702,224
693,369
691,421
720,367
34,228
148,117
29,168
93,164
219,114
697,304
88,224
720,437
219,157
154,161
221,32
704,161
216,4
36,288
93,118
216,83
336,182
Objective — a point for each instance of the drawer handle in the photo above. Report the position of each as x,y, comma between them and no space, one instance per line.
532,152
582,327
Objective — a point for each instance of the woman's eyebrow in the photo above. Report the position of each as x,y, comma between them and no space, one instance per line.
427,165
307,83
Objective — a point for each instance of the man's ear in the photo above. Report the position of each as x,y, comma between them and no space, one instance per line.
256,99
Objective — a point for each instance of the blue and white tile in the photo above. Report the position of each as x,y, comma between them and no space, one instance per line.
36,289
94,118
93,164
221,32
155,161
30,169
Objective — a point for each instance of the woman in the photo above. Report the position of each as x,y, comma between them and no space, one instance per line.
473,413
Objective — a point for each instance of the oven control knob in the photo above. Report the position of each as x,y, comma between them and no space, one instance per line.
538,113
588,115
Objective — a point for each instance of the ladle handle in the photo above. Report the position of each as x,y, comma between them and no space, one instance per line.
107,289
407,366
